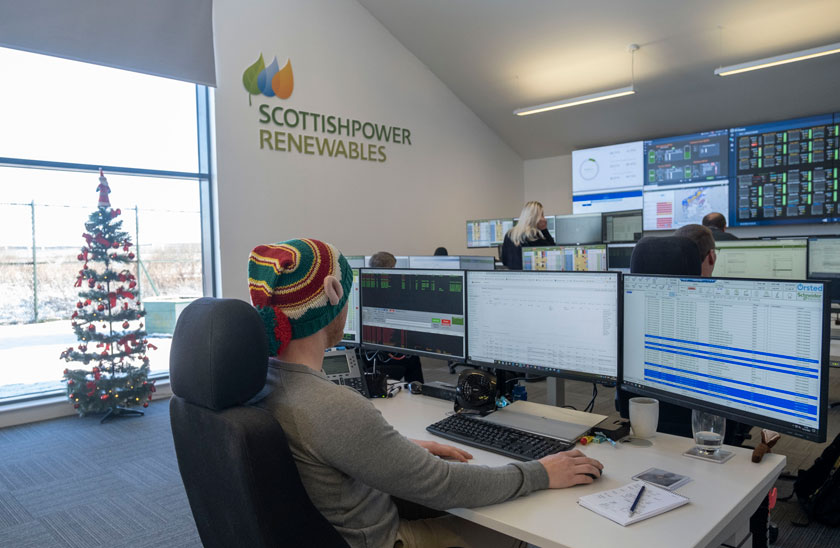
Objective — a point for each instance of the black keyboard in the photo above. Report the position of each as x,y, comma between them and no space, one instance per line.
496,438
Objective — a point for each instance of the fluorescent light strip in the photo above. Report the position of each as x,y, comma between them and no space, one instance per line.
583,99
779,60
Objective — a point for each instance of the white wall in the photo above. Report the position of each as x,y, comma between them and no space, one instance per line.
549,180
346,64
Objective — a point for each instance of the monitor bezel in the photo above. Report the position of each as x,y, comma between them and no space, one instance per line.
625,213
410,352
358,340
558,373
737,415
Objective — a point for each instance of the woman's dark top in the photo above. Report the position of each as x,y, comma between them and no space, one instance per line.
512,253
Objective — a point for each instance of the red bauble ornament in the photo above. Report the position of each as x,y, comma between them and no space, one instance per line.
80,257
87,302
125,325
71,382
145,404
83,348
91,328
98,286
113,255
104,397
79,304
100,307
131,255
131,285
66,371
115,245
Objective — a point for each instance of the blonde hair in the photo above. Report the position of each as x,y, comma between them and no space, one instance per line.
526,228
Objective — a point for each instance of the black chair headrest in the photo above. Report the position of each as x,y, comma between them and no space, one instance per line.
219,355
675,255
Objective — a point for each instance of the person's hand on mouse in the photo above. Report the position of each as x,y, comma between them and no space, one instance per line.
444,451
570,468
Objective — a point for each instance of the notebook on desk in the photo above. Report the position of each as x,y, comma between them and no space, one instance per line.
615,504
546,420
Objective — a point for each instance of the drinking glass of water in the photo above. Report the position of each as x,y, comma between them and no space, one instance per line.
708,431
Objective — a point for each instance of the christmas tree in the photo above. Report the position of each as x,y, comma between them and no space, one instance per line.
108,321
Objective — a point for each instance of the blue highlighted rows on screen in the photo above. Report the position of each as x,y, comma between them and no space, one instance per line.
810,375
734,394
743,358
743,383
794,358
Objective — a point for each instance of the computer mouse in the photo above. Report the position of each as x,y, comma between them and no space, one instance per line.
415,387
593,476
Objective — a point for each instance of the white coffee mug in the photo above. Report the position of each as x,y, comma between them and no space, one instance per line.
644,416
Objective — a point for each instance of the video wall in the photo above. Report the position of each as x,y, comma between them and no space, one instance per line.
774,173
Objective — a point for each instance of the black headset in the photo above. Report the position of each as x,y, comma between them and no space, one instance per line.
476,392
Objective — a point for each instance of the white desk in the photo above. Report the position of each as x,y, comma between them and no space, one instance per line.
723,496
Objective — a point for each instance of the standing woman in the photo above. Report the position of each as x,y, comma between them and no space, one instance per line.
531,230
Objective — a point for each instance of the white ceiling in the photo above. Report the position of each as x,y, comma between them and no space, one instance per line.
499,55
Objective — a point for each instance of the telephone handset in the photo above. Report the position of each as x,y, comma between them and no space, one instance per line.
342,368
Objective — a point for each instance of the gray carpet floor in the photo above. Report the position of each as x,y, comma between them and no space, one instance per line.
75,483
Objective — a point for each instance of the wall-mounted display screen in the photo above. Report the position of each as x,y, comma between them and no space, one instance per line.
607,178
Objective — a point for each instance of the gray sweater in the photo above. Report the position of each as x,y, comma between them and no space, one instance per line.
351,460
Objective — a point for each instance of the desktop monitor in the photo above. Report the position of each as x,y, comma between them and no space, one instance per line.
618,257
443,262
578,258
351,325
477,262
772,259
402,261
356,261
754,351
563,324
577,229
622,226
824,261
487,232
413,311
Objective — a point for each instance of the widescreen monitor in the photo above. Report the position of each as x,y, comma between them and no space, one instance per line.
754,351
622,226
445,262
686,177
562,324
351,325
417,312
618,257
607,178
565,258
356,261
772,259
487,232
824,261
477,262
577,229
402,261
785,172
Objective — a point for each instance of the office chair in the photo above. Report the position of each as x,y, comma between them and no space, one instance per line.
241,480
674,255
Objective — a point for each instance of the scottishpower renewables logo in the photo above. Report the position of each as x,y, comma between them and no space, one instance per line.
286,129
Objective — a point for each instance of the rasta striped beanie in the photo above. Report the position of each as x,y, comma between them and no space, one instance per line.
298,287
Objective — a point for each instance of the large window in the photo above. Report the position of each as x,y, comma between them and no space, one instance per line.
62,120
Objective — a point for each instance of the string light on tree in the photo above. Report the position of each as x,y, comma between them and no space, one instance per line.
119,374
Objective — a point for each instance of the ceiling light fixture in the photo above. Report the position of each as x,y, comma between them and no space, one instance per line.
591,98
779,60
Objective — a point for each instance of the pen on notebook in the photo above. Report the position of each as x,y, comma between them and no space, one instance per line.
636,502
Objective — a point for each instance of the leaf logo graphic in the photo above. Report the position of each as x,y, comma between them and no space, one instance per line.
270,80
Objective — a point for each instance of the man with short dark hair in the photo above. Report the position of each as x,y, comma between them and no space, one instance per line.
702,236
351,461
382,259
716,222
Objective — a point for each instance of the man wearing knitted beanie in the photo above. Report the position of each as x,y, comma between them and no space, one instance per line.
350,459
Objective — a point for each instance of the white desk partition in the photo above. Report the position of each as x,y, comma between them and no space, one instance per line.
723,496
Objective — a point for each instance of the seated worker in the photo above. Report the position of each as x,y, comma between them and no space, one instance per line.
704,239
395,366
716,222
441,251
531,230
351,461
